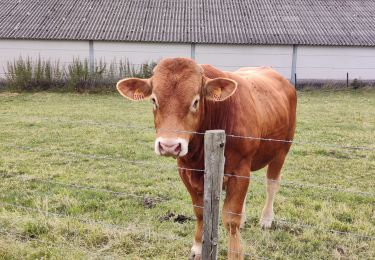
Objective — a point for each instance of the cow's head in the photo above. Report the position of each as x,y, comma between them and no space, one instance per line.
178,90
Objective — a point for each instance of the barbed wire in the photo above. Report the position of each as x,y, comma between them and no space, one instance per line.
61,215
80,187
279,221
278,140
92,221
296,184
127,126
143,163
107,225
115,226
347,233
103,157
130,228
91,188
90,122
282,221
302,225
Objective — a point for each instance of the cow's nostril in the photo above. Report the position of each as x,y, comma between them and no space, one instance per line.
160,147
169,148
178,148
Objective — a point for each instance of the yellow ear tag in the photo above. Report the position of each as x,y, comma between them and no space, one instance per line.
216,94
138,94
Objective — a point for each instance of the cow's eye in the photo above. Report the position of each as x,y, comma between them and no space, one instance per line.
195,104
154,103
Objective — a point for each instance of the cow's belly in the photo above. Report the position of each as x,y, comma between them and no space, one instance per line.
260,163
266,152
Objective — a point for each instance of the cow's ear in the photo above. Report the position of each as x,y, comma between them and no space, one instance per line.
219,89
134,88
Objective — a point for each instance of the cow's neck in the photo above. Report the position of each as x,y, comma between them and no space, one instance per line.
215,115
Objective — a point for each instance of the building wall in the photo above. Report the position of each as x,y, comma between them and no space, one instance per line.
312,62
233,57
64,51
138,53
319,62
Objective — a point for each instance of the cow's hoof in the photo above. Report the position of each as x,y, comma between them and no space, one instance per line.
196,251
193,256
196,257
266,223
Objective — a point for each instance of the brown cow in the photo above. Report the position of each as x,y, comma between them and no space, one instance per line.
255,102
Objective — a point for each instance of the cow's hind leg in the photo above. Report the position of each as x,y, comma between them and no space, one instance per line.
272,186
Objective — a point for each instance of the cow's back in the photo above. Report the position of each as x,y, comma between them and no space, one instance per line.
275,104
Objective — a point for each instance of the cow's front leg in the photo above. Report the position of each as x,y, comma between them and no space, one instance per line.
196,250
232,212
194,184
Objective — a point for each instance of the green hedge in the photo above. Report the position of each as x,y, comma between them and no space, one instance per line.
41,75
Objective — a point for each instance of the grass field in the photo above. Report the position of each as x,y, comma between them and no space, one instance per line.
53,147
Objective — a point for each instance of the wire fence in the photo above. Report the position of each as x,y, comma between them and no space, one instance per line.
147,233
132,228
285,182
369,147
279,221
27,178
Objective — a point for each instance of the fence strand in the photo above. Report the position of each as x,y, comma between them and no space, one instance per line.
370,147
313,186
280,221
28,178
102,157
130,228
162,166
346,233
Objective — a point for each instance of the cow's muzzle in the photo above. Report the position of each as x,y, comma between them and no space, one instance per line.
171,146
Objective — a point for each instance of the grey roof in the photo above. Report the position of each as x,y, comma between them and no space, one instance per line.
307,22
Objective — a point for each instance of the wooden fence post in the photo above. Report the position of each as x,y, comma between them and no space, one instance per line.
214,145
347,79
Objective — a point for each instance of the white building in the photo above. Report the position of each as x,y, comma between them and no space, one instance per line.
314,39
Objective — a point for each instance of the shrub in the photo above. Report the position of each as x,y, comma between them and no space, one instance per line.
39,75
356,84
29,75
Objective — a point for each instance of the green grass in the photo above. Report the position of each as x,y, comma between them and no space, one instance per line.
46,140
